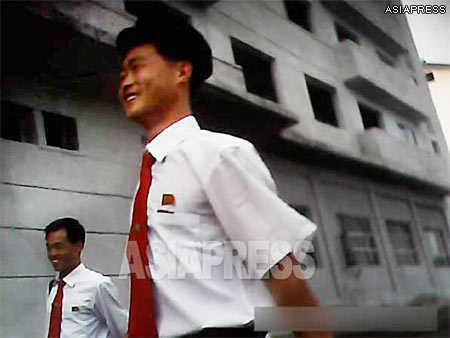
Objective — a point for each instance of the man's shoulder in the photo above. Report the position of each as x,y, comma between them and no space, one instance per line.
217,142
95,277
206,149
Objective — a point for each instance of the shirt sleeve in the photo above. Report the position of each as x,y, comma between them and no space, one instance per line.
244,198
107,305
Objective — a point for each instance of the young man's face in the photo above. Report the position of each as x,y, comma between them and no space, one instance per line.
62,254
148,82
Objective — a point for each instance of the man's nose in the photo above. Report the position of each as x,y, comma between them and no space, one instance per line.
126,79
51,253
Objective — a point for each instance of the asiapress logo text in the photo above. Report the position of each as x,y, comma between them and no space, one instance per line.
415,9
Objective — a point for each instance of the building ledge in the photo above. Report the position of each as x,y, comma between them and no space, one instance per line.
362,71
224,95
379,147
372,153
349,12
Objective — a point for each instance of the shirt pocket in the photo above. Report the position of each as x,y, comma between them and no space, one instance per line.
79,312
184,222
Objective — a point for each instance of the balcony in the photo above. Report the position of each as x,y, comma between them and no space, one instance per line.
396,155
361,70
229,78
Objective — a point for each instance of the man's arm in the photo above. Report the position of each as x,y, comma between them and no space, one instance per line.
109,308
292,292
243,195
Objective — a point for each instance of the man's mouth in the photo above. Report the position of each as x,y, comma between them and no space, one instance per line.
130,97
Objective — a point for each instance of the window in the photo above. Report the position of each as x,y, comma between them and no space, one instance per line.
387,59
298,11
322,101
370,117
435,146
429,76
402,242
60,131
17,123
358,241
305,211
436,248
406,133
257,69
344,34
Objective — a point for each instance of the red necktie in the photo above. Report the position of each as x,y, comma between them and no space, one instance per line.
141,321
56,314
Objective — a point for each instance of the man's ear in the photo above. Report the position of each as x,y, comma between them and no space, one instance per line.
79,245
184,71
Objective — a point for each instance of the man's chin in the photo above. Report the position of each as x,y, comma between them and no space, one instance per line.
57,268
133,115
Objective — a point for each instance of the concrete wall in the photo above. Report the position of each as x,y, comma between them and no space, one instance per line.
41,183
96,183
328,194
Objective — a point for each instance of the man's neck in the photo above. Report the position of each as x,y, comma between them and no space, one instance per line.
65,273
156,127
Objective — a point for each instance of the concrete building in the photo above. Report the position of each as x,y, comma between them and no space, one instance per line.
438,77
331,92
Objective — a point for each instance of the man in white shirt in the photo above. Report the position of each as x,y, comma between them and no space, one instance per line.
210,200
81,302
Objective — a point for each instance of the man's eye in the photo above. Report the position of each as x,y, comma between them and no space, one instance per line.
136,66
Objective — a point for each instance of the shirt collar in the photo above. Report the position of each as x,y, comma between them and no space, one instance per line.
73,276
174,134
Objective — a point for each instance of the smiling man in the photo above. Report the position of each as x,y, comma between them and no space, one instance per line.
81,302
197,188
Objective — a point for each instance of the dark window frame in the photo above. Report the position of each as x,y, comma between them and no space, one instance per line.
442,260
403,256
387,59
429,76
61,131
323,101
407,133
435,146
358,241
344,34
18,122
257,68
371,118
299,12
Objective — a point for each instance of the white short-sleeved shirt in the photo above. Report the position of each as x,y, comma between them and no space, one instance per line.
90,306
212,201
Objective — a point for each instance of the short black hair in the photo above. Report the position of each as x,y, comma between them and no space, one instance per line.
75,231
174,38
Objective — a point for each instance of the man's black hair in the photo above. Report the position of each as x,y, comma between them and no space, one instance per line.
75,231
173,37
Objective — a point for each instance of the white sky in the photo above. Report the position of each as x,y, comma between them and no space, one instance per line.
431,32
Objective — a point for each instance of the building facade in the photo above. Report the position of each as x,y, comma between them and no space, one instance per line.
332,93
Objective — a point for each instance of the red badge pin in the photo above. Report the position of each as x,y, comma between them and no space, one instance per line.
75,309
168,199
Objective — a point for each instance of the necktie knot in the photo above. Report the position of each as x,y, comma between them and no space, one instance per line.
147,160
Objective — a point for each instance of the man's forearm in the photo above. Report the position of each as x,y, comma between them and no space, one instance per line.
292,291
